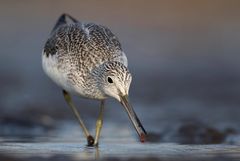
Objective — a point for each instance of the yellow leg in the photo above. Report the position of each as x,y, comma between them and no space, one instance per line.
99,123
68,99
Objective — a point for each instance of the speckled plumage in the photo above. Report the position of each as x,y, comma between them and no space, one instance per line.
74,53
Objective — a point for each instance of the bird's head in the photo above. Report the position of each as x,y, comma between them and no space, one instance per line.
114,81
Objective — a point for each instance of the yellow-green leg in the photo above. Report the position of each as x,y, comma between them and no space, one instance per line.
68,99
99,123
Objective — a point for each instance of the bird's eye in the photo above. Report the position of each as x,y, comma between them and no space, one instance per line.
110,80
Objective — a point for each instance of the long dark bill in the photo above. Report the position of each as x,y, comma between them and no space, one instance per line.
133,117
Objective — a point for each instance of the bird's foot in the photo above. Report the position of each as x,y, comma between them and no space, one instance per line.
90,140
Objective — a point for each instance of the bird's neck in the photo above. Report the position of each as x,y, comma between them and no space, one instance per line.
93,83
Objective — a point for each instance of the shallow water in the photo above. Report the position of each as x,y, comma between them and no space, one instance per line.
77,151
67,142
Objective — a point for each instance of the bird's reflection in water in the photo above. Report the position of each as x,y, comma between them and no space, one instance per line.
89,153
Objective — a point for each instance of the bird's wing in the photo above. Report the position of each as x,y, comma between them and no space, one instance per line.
85,40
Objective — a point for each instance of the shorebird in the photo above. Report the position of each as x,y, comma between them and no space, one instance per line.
87,59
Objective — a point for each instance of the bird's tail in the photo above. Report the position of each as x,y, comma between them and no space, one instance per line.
64,19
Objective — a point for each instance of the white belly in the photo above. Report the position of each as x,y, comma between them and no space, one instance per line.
49,65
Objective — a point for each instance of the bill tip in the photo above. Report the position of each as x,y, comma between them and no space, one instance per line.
142,137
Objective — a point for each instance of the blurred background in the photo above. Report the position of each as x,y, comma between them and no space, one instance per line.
184,57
